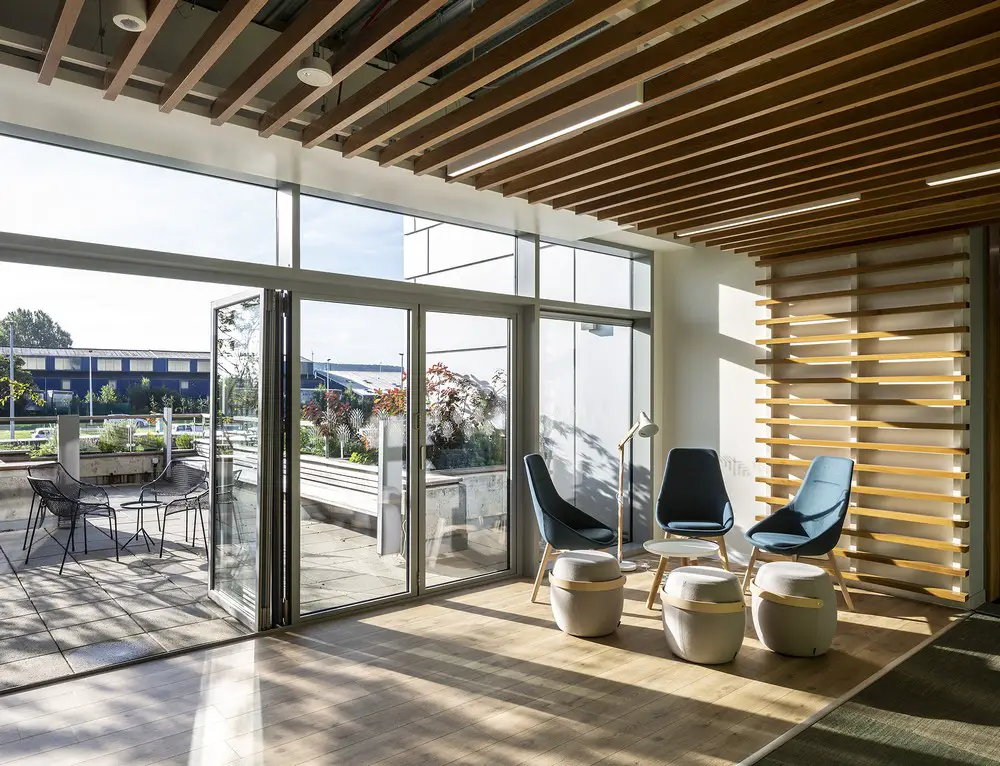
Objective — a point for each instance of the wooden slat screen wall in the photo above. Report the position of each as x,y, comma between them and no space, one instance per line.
891,391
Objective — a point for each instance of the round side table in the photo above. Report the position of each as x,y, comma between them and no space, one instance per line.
687,548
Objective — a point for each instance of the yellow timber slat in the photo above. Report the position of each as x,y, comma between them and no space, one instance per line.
866,380
892,561
817,402
866,468
905,494
824,422
887,582
878,513
868,269
906,356
902,287
840,315
805,340
927,449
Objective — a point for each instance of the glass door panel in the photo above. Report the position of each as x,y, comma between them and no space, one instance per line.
354,511
467,430
243,473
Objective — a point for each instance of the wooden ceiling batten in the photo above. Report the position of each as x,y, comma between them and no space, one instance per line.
308,26
456,39
560,26
221,33
134,47
819,254
387,27
824,79
766,133
746,25
62,27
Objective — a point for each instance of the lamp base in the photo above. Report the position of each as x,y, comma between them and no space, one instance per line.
627,566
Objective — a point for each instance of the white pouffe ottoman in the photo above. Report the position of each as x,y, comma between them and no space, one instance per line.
794,608
587,593
704,615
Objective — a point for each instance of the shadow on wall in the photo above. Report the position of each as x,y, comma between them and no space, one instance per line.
593,486
712,365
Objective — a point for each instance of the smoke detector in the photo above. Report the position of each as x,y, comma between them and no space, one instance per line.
130,15
315,71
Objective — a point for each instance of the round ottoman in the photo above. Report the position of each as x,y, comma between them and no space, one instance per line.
794,608
587,593
703,614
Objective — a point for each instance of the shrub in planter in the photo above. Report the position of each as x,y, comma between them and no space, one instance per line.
365,457
183,441
154,442
47,449
114,436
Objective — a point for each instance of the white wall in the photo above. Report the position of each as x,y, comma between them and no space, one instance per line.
705,338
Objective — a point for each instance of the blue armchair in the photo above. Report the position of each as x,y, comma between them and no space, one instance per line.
562,525
693,501
812,523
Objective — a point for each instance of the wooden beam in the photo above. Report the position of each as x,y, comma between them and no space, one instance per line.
901,203
551,32
637,30
877,183
845,423
895,561
891,470
960,133
886,55
62,28
391,24
754,30
807,340
898,287
842,315
855,141
457,38
902,494
923,449
134,47
869,268
912,518
308,26
962,217
804,402
912,587
862,380
759,136
221,33
819,254
905,356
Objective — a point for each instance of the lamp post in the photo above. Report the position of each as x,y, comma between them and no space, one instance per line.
645,428
11,338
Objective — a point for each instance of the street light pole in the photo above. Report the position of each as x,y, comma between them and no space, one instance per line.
11,338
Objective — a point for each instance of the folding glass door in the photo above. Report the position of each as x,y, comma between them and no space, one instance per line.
245,455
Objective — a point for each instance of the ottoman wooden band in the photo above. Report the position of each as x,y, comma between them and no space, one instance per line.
779,598
708,607
589,586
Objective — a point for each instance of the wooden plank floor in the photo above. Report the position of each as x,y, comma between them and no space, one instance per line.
481,677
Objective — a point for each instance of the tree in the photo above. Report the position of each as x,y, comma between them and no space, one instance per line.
24,383
34,329
108,395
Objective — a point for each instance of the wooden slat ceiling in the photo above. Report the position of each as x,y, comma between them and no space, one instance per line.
749,107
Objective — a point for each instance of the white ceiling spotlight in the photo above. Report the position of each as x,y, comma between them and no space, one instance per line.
130,15
964,175
315,71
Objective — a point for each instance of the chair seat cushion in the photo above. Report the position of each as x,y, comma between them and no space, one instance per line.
598,535
777,541
694,527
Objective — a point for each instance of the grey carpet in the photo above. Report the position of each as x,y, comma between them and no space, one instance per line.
941,706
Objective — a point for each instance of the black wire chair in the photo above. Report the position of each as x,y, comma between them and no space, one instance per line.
54,500
187,485
72,488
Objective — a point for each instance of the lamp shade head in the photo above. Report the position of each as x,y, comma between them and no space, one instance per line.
129,15
315,72
647,427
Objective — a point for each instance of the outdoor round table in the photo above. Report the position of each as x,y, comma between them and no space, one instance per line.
676,547
140,506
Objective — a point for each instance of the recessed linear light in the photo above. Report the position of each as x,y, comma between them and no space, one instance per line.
964,175
769,216
543,139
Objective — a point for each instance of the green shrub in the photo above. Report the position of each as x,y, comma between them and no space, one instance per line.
365,457
184,441
48,449
114,436
152,442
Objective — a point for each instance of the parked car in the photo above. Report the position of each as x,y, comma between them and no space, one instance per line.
43,433
187,428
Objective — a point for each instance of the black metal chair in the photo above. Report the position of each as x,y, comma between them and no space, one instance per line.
186,487
70,487
54,500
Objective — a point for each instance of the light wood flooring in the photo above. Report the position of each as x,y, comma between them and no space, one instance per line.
480,677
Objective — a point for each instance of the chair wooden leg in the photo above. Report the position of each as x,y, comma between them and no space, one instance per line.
749,574
541,571
723,553
840,579
657,579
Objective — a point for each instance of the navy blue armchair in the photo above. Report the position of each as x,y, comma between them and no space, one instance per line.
562,525
812,523
693,501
